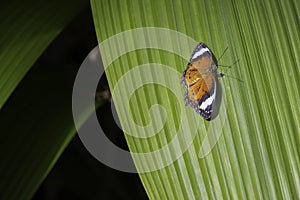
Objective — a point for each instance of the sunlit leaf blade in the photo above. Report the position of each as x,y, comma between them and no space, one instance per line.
27,27
257,155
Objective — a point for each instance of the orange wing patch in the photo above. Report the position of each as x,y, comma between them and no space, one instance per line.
200,88
192,75
196,69
198,78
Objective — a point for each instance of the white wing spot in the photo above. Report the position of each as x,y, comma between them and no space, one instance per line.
199,53
208,101
197,79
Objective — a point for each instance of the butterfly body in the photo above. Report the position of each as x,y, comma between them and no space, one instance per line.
199,81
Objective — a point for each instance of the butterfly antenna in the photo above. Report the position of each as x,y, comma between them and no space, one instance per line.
229,66
223,53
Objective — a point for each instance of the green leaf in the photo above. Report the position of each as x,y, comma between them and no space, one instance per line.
257,131
36,121
37,125
27,27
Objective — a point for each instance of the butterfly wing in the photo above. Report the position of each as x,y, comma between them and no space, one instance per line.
199,81
200,93
207,100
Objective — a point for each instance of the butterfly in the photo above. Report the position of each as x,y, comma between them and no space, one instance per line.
200,81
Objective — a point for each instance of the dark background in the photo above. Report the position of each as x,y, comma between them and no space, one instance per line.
77,174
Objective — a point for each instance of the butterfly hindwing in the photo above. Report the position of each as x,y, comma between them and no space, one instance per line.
206,102
201,96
